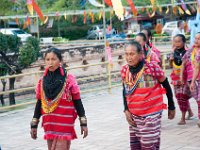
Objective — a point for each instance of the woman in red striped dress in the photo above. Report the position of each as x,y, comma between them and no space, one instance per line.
143,100
58,102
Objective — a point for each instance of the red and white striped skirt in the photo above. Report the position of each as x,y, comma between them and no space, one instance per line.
146,135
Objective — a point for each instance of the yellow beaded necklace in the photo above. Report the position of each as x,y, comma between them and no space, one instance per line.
50,106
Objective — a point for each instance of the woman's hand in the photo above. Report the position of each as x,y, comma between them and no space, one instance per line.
129,118
171,114
33,133
84,131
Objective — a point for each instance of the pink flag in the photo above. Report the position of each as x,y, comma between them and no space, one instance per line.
29,2
108,51
183,5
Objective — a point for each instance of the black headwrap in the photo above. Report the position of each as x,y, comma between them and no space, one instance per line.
53,83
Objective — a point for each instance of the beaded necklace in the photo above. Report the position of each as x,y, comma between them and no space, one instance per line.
130,83
49,106
193,55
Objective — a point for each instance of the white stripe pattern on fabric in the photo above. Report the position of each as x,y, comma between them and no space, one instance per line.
59,115
146,107
66,107
58,133
150,99
59,124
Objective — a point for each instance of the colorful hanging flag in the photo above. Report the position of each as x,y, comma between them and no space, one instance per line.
30,6
183,5
153,3
180,10
192,9
92,17
38,11
17,21
160,9
108,2
118,8
100,15
153,14
46,19
133,8
85,17
95,3
174,10
65,16
167,11
27,22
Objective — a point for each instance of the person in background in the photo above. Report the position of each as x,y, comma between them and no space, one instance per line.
58,102
149,36
149,55
179,29
158,28
195,60
181,87
143,99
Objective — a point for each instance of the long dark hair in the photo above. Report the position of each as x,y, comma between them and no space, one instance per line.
149,34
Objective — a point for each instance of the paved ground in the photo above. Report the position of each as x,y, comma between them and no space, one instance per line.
108,129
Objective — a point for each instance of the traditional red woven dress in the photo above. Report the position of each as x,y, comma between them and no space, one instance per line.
58,115
145,102
146,97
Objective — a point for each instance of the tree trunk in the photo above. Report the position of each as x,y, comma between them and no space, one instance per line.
11,87
1,96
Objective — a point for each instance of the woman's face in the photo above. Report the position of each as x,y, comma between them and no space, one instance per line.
132,56
178,43
52,62
140,40
197,40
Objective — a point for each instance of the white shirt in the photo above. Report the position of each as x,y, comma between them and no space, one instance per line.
177,31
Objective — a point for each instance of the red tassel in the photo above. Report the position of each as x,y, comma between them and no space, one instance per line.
46,71
61,70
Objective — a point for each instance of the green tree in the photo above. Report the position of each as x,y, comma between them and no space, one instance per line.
15,57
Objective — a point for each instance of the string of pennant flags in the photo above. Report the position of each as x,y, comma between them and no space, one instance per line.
115,7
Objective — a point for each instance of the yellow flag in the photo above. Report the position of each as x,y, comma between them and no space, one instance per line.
167,11
180,10
30,9
100,15
187,12
65,16
160,9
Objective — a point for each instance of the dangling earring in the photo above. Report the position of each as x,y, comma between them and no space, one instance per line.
46,71
61,70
